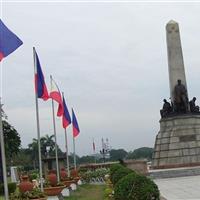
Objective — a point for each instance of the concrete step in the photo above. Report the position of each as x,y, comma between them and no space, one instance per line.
172,173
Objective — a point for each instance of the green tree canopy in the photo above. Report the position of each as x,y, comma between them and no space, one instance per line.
143,152
117,154
12,140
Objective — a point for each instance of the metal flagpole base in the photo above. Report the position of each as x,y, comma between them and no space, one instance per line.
53,198
79,182
73,186
65,192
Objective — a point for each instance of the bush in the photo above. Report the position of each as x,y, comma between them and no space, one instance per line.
120,173
33,176
11,188
136,187
113,169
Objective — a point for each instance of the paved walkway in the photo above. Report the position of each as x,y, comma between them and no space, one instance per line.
181,188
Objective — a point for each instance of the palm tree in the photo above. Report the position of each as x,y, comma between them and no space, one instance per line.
34,151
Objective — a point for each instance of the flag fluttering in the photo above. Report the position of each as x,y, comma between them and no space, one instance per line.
56,95
66,119
76,130
40,86
9,42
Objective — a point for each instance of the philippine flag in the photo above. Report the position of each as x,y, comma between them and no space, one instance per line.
56,95
76,130
40,86
9,42
66,119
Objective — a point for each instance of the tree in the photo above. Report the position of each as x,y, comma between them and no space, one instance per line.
86,159
45,141
11,139
33,147
143,152
117,154
24,159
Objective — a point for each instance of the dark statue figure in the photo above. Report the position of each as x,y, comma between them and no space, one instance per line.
180,98
180,104
166,110
193,107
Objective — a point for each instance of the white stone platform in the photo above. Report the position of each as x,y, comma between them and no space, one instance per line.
181,188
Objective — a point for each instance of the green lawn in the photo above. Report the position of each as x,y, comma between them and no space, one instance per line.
87,192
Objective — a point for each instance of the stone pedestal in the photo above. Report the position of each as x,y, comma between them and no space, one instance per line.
178,142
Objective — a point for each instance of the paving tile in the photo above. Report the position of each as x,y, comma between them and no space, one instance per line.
180,188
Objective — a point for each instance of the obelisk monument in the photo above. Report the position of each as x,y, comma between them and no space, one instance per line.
177,143
175,56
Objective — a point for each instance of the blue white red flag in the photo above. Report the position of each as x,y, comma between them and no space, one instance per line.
66,119
9,42
76,130
40,86
56,95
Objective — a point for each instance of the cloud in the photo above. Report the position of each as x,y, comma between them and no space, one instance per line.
110,59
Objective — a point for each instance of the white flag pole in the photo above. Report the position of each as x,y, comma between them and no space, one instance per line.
94,151
74,153
56,147
5,181
67,155
66,147
38,125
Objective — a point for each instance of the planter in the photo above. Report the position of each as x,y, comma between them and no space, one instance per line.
76,179
74,173
25,185
68,183
53,191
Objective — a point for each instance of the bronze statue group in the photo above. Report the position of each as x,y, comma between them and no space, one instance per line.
180,105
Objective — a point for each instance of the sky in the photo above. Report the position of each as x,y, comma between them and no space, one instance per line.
109,59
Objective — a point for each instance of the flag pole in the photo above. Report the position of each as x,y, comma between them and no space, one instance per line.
94,150
74,153
56,147
66,146
67,156
38,127
5,181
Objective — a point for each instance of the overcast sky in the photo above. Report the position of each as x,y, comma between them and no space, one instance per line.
110,60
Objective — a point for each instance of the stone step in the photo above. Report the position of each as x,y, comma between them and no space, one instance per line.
172,173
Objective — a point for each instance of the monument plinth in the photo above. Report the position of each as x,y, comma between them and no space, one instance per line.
178,141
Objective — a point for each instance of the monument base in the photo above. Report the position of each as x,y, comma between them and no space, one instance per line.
178,142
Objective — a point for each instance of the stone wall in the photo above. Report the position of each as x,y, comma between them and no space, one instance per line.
178,142
139,166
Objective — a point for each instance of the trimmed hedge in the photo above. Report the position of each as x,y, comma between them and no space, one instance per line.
136,187
113,169
120,173
11,188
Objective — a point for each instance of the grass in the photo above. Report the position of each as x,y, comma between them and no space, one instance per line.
88,192
85,192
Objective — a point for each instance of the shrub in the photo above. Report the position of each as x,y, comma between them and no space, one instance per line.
33,194
33,176
107,192
113,169
11,188
120,173
136,187
1,189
